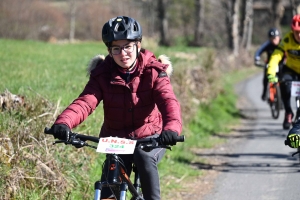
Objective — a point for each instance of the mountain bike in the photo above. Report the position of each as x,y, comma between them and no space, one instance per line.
117,179
274,95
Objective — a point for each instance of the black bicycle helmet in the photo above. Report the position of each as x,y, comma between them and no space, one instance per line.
273,32
121,28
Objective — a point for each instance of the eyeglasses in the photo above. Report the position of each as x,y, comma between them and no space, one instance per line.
128,48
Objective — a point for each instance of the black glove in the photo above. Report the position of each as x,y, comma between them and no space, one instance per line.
60,131
168,137
293,140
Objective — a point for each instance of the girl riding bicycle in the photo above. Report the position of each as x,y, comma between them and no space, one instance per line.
138,100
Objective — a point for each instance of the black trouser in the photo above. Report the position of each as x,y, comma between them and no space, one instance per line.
265,81
288,75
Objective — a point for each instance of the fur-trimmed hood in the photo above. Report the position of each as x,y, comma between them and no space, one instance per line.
100,58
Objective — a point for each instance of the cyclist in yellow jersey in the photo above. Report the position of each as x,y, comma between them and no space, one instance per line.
290,47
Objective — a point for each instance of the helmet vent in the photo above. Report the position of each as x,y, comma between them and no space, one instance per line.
126,20
119,27
135,28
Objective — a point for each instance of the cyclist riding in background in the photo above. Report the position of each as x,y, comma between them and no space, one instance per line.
289,46
138,100
269,46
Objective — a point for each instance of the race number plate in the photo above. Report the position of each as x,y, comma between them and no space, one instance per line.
116,145
295,92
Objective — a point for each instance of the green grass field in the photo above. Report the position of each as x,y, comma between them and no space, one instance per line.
50,76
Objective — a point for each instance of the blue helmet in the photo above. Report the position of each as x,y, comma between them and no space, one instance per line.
121,28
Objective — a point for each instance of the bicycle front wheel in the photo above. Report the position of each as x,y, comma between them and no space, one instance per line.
275,100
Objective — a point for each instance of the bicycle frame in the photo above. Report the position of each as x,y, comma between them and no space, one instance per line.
272,92
117,178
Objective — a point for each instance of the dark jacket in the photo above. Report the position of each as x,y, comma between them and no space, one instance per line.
142,107
269,48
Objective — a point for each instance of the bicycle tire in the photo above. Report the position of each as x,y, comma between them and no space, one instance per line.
275,101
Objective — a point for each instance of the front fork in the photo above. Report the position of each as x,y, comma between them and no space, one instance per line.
98,188
137,182
99,185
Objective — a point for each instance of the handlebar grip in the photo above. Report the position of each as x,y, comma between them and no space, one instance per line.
180,138
47,131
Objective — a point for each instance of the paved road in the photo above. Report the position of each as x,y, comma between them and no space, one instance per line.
259,167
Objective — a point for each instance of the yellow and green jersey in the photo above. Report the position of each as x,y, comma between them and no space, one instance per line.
290,48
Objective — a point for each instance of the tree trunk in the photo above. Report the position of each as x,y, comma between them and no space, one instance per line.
235,26
163,22
72,20
250,27
199,22
295,6
247,24
277,13
232,19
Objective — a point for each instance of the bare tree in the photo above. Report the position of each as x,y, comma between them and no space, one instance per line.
232,18
295,6
199,16
235,26
247,23
149,7
163,22
72,4
277,13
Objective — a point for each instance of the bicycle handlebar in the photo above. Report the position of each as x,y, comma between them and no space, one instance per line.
284,80
79,140
260,65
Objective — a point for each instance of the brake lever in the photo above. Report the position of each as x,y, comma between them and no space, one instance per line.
73,141
59,141
295,153
167,147
148,148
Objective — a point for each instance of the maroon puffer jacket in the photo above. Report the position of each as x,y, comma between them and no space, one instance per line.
144,106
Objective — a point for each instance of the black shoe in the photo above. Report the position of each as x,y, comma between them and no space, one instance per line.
288,119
